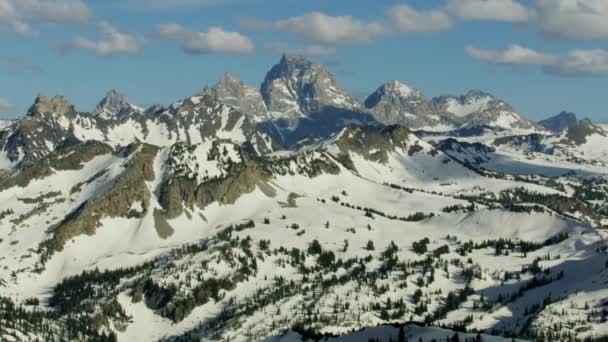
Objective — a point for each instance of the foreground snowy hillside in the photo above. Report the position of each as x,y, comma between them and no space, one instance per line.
190,223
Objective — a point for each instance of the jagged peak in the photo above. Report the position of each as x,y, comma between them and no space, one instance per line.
560,122
290,63
154,109
294,59
395,91
399,88
476,93
229,77
113,104
58,104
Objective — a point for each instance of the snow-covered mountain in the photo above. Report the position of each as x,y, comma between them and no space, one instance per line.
248,99
305,101
115,104
560,122
297,88
478,108
394,103
49,124
301,101
188,222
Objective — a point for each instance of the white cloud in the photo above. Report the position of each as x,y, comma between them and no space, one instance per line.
572,19
5,105
573,63
309,50
114,42
514,54
57,11
321,28
490,10
168,4
408,20
581,62
20,15
214,40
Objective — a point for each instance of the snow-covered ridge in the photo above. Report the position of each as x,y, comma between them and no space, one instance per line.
468,106
195,119
188,223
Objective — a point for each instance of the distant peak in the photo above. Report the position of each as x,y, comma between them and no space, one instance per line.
230,78
476,93
560,122
399,88
57,104
566,114
115,94
113,103
286,58
298,61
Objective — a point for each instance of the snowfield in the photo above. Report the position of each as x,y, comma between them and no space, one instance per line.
192,223
512,268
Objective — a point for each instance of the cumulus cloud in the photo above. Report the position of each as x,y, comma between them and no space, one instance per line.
490,10
408,20
581,62
573,63
21,15
321,28
57,11
572,19
5,105
214,40
513,54
113,42
168,4
310,50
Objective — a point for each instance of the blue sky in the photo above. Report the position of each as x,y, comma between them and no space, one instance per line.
541,56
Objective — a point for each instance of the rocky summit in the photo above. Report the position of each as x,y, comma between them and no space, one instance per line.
113,104
291,211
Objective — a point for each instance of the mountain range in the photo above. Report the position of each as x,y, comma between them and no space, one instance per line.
293,211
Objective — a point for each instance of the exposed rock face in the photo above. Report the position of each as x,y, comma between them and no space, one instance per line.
68,157
578,135
461,106
297,87
397,104
189,185
40,132
530,142
203,118
478,108
472,153
304,100
560,122
245,98
183,188
113,104
51,124
129,188
57,105
374,144
153,110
